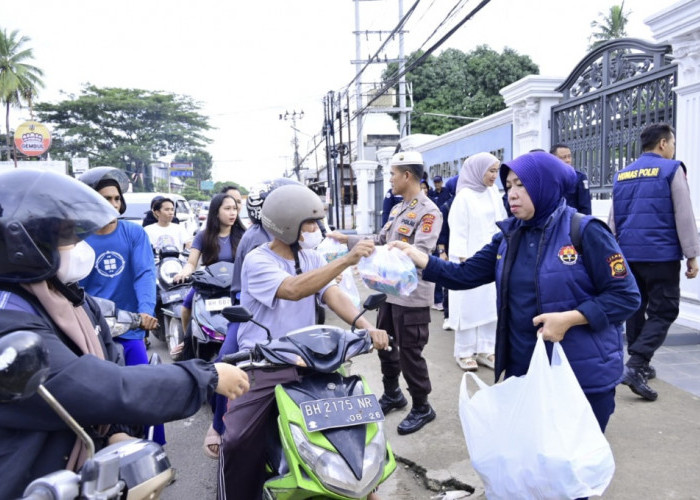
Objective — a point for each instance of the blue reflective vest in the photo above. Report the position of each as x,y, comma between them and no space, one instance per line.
596,357
645,223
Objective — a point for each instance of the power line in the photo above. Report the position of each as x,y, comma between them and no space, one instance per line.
422,58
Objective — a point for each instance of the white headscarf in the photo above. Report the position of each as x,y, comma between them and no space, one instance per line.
473,170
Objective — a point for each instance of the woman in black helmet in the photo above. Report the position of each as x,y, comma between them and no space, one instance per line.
44,218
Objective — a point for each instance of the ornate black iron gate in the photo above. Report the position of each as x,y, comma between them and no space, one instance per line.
611,95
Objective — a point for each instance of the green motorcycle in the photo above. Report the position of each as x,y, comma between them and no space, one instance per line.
330,432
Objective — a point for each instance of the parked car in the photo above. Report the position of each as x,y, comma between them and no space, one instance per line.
203,212
138,205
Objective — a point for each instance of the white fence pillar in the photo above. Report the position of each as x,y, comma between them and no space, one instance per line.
531,99
364,170
383,157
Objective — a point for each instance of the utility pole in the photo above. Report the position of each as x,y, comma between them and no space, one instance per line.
294,116
403,110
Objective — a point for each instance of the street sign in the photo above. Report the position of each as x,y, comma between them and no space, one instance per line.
181,166
32,138
207,185
181,173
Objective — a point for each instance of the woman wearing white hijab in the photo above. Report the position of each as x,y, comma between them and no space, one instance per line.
472,220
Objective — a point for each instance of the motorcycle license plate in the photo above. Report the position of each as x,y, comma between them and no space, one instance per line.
217,304
330,413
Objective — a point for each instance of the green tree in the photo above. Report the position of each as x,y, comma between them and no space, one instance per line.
19,80
191,190
125,128
460,84
219,185
609,26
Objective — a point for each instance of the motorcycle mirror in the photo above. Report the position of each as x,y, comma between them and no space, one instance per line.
373,302
24,365
237,314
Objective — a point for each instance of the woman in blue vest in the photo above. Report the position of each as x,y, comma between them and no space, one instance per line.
571,288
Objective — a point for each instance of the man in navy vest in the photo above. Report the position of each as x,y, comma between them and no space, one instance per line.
652,217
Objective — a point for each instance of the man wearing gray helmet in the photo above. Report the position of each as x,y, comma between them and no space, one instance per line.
281,280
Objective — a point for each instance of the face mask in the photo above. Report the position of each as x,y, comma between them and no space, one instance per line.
311,240
76,263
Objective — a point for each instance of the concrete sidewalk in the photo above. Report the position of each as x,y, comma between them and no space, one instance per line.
656,445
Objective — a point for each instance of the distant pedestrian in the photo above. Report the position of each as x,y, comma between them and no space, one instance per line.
443,247
579,197
652,217
472,220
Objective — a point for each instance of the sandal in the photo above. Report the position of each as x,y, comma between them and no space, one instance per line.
467,364
486,359
212,441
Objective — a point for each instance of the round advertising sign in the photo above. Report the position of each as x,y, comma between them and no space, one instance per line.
32,138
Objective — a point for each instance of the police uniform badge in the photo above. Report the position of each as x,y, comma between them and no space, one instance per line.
413,203
404,229
618,268
427,222
568,255
411,215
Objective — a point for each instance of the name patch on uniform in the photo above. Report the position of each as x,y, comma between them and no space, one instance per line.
404,229
427,222
568,255
640,172
618,269
408,222
411,215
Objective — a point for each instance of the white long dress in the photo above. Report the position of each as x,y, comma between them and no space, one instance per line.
473,313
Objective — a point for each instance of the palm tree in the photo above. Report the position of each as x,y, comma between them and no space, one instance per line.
609,26
19,81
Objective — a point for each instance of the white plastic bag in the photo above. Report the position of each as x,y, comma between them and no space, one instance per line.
389,270
347,285
331,249
535,436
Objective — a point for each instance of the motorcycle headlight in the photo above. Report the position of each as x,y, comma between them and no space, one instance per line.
332,470
168,269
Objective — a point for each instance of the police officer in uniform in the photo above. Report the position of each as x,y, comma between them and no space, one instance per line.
652,217
417,220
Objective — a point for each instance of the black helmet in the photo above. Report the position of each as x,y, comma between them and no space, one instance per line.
258,193
99,177
40,211
287,208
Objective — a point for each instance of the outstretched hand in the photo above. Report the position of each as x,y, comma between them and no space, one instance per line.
419,258
338,236
233,382
364,248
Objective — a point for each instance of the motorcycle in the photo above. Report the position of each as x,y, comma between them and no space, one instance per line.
330,439
169,297
134,469
212,294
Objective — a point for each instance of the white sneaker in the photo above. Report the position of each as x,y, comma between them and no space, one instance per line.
438,307
446,325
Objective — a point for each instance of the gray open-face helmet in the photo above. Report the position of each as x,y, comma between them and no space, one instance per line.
40,211
287,208
100,177
258,193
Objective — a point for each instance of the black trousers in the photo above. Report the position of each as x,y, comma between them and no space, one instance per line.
659,286
409,328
